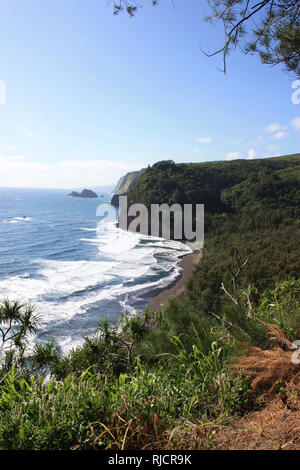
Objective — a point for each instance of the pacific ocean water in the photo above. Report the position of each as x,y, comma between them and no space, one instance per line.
75,268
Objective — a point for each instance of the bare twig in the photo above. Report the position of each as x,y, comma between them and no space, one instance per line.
229,295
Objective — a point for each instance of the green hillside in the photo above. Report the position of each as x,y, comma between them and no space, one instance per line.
183,376
220,184
252,210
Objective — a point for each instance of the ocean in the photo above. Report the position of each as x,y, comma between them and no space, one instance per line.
75,268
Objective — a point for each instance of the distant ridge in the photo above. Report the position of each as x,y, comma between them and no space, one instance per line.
124,185
126,182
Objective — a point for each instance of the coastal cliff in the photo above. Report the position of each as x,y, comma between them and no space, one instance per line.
115,199
199,371
124,185
126,182
228,189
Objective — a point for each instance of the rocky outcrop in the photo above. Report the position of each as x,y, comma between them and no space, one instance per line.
115,199
84,193
124,185
127,182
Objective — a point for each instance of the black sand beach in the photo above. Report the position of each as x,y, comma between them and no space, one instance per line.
187,263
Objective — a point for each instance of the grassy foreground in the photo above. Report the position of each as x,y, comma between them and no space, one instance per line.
132,390
200,374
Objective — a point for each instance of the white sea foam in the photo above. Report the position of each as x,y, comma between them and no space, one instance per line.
126,270
56,280
79,305
91,240
15,220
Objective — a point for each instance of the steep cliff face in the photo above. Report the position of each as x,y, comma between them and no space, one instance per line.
115,200
124,185
126,182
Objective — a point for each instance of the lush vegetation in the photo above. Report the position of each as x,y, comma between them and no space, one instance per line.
252,211
167,379
149,386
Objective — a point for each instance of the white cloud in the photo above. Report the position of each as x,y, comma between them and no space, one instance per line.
257,141
11,158
233,155
277,130
27,132
274,127
196,151
21,172
18,163
296,123
279,135
251,154
273,148
273,151
8,147
204,140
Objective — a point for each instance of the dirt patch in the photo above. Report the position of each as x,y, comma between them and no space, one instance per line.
270,369
276,426
276,383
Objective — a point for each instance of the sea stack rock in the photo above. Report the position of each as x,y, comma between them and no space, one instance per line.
84,193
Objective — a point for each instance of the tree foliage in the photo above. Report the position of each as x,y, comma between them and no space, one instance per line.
270,28
17,323
159,379
251,207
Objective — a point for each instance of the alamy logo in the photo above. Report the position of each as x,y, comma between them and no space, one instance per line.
2,92
296,353
169,222
296,94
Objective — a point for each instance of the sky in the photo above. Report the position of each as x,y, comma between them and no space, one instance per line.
86,96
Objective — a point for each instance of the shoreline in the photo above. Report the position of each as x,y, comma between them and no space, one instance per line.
176,289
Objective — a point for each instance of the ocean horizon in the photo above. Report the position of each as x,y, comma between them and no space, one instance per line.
56,254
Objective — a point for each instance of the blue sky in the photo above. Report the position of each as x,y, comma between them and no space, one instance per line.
90,96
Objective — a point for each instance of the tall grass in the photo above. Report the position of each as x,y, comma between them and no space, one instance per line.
94,411
168,388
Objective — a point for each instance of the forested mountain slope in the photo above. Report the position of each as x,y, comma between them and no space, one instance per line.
252,211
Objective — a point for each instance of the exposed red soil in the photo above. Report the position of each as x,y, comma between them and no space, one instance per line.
276,380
